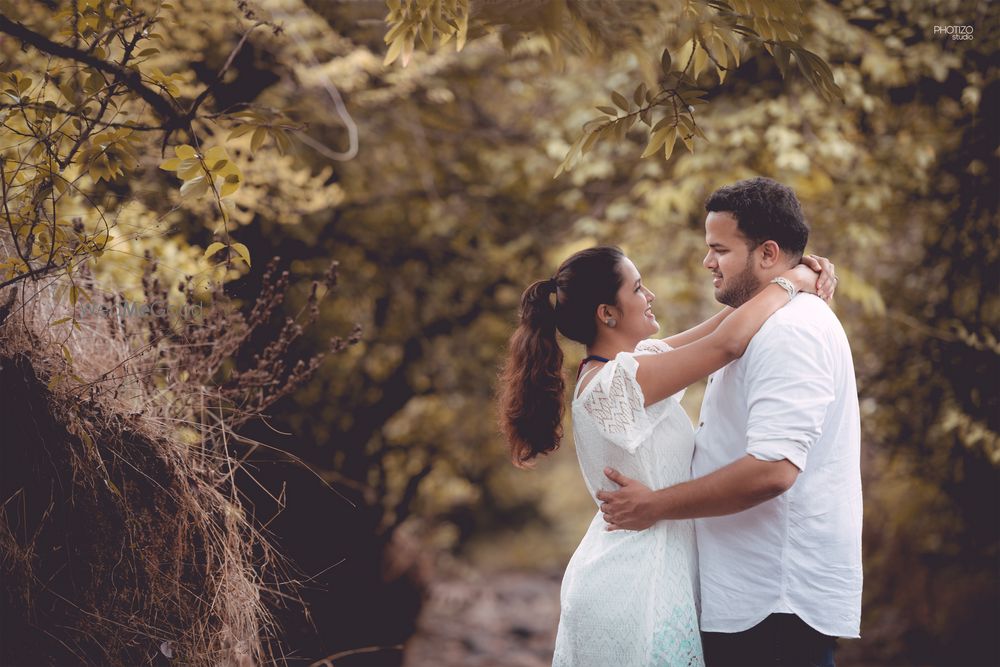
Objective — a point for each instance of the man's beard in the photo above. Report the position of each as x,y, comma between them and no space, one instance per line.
739,288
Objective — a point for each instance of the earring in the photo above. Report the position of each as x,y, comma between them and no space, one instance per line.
611,322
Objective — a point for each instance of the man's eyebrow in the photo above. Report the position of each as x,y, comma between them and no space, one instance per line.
716,245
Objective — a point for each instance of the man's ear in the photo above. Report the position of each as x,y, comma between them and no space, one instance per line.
770,254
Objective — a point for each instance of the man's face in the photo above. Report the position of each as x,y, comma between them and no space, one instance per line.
730,260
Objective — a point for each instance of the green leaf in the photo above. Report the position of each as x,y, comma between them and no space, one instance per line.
242,251
611,111
619,100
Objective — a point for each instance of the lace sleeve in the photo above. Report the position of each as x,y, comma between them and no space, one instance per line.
615,403
652,346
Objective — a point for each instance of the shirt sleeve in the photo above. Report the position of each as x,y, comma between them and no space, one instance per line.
790,386
616,403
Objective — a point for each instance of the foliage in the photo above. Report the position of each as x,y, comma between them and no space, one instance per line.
79,123
709,34
443,207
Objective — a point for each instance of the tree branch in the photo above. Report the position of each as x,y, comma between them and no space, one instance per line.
131,78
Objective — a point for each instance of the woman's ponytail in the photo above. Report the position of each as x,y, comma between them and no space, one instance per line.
531,383
530,393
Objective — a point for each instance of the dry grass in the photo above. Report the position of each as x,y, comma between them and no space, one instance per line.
122,535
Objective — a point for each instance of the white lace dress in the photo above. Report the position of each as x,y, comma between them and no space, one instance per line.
630,598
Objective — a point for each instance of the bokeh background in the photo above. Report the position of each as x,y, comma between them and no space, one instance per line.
385,483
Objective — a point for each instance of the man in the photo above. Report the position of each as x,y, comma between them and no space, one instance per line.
776,487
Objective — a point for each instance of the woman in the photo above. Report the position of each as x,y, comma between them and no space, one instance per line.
627,598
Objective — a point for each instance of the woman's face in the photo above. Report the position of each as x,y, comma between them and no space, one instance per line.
634,304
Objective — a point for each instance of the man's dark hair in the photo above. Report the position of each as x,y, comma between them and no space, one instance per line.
765,210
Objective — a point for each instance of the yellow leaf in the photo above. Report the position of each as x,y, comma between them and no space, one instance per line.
656,140
170,165
242,251
230,185
408,44
215,153
463,32
700,60
282,141
185,152
196,187
394,50
668,145
214,248
53,381
258,139
240,131
188,169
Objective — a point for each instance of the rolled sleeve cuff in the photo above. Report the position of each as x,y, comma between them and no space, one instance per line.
775,450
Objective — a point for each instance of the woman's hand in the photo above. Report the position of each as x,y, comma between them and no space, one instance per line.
814,275
826,283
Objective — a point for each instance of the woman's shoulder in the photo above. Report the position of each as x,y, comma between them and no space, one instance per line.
625,359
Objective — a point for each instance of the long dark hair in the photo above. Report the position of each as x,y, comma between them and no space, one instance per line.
531,384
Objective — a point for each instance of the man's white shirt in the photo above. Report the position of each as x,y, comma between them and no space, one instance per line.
791,395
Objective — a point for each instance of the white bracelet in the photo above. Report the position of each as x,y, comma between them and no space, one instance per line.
787,285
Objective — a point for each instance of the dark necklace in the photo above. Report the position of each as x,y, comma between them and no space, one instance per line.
592,357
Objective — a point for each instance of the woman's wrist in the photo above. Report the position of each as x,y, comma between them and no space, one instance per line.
801,280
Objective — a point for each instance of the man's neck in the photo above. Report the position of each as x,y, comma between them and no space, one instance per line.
767,276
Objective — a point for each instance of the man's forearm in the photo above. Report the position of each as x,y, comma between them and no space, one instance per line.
736,487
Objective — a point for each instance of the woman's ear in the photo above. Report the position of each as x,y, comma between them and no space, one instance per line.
605,311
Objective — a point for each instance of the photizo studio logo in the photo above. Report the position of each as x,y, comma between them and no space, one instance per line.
958,33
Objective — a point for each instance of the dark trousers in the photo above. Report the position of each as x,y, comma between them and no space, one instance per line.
780,639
